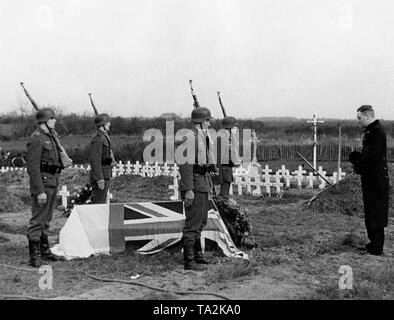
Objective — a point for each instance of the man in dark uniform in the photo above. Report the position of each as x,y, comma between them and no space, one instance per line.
371,164
101,159
43,166
195,187
227,160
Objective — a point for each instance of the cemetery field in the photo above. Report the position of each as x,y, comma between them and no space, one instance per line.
298,256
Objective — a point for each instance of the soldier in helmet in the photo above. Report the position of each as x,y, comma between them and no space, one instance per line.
227,160
43,166
101,159
195,187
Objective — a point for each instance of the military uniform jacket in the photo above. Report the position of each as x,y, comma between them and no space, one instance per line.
189,179
372,166
100,152
41,148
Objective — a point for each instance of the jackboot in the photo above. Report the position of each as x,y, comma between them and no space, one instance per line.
34,253
198,256
46,253
188,257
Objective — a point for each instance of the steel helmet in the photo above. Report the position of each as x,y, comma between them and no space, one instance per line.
101,119
199,115
229,122
44,114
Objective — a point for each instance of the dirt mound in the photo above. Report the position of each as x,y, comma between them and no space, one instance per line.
9,202
128,188
346,197
74,179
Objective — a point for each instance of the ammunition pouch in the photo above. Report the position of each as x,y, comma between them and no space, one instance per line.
50,168
106,161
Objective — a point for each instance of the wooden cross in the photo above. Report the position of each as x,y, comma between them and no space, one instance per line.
315,122
109,197
137,168
128,167
285,173
277,184
238,182
175,196
267,184
158,170
64,194
310,178
175,171
257,184
266,172
323,182
166,170
299,175
120,167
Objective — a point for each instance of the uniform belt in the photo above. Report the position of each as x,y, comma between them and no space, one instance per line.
50,168
200,169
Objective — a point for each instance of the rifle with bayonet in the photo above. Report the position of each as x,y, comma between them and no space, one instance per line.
65,160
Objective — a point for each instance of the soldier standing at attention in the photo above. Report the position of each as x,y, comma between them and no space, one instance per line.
195,186
228,161
43,166
101,158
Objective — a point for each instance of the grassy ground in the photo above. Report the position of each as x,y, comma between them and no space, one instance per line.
298,257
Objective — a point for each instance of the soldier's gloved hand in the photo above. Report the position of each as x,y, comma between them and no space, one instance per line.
100,184
41,199
189,198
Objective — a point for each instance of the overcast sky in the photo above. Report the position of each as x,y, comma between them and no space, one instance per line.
267,58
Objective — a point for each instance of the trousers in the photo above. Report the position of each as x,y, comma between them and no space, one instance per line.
100,195
42,216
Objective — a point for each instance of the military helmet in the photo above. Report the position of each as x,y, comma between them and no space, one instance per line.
101,119
229,122
199,115
44,114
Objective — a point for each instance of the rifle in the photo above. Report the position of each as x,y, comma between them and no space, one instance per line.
65,160
94,107
96,113
307,162
221,105
196,104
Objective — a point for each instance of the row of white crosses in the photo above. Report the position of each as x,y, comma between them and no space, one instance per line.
11,169
145,170
253,182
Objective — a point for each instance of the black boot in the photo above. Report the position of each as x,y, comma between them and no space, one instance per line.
46,253
188,257
198,256
34,253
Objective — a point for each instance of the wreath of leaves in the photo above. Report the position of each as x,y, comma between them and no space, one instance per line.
81,197
236,222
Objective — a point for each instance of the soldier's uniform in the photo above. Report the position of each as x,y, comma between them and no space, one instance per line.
227,160
43,166
100,163
196,177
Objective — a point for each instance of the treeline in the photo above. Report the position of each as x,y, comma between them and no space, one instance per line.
75,124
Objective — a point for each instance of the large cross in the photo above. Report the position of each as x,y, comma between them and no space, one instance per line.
254,141
314,121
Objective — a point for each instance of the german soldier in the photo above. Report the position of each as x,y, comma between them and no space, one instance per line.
101,159
43,166
195,187
230,159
